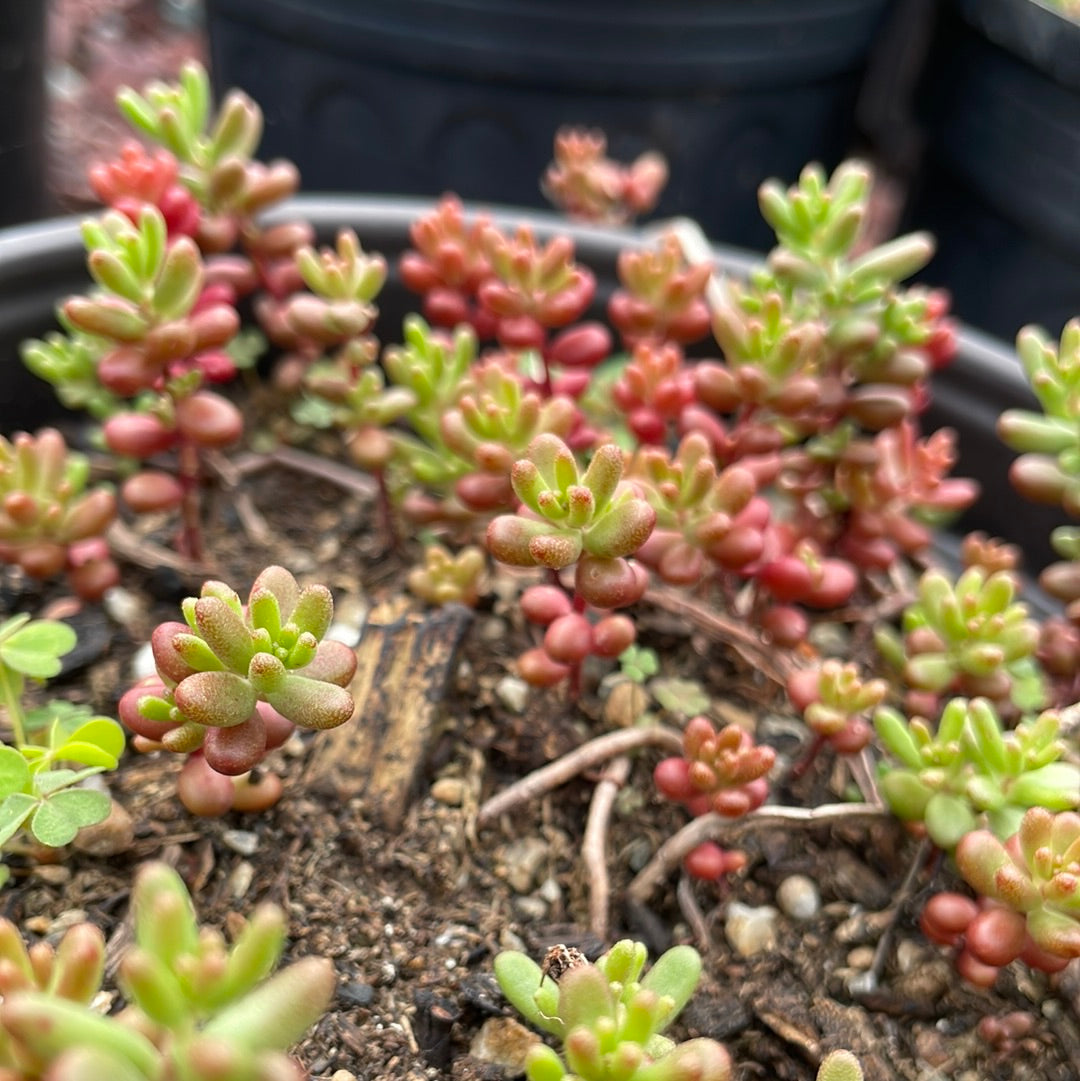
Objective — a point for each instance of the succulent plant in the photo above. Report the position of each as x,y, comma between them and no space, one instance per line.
214,152
662,298
724,772
1035,874
589,519
198,1010
972,637
588,185
233,679
446,578
834,700
608,1017
49,522
971,771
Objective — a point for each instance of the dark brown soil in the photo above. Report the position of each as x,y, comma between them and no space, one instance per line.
413,918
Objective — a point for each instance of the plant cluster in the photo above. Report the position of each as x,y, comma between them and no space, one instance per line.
234,680
49,522
197,1009
1029,905
969,771
785,476
723,772
609,1017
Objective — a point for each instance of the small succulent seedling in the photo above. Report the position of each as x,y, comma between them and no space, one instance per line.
971,771
608,1017
834,701
972,637
233,679
38,789
724,772
589,519
446,578
662,298
588,185
198,1009
49,521
840,1066
1034,875
214,152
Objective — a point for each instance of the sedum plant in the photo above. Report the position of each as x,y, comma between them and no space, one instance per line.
234,679
445,578
1028,906
50,523
972,638
971,771
198,1010
608,1017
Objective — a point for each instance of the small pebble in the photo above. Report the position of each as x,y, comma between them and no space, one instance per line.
356,994
55,874
347,633
240,880
625,704
861,957
449,791
751,930
343,1075
530,909
142,663
123,606
521,861
513,693
798,897
243,842
550,891
503,1042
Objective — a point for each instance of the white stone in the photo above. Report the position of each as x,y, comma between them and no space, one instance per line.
142,664
513,693
122,605
798,897
751,930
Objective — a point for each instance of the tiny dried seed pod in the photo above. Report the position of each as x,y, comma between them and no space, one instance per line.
559,960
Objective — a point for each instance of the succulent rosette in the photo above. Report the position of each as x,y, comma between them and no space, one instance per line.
233,679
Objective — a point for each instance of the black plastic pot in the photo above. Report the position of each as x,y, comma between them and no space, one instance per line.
1001,179
22,117
419,97
42,263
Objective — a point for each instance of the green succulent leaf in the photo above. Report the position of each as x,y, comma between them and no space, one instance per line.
535,997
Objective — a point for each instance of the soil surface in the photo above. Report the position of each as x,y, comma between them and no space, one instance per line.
413,916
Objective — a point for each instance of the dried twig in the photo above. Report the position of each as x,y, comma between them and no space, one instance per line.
691,910
351,480
777,666
713,827
868,981
594,843
230,478
577,761
145,553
